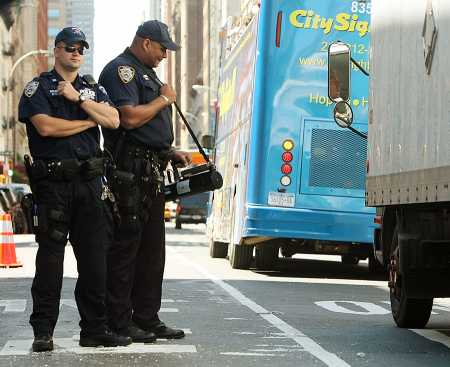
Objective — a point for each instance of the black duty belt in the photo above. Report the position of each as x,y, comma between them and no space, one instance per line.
67,169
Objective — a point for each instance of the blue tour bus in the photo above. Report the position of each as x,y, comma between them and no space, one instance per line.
293,180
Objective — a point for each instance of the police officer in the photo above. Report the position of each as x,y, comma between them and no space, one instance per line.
62,112
141,147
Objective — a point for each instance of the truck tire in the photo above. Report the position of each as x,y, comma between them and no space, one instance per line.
408,313
349,259
266,256
218,250
241,256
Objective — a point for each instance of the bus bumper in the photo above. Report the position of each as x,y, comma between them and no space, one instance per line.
309,224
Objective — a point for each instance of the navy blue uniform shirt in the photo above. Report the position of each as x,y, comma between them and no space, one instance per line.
41,97
129,83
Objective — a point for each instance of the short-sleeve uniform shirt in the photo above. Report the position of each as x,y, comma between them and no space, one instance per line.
41,97
130,83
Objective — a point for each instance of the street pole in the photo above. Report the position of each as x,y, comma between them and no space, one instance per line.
10,99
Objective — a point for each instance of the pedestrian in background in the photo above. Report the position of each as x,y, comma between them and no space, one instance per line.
62,111
142,148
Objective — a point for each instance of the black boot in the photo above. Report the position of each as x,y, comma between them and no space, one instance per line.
42,343
106,339
164,332
138,335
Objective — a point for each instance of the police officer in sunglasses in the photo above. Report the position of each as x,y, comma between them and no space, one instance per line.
62,112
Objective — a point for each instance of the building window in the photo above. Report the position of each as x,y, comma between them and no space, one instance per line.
53,13
52,31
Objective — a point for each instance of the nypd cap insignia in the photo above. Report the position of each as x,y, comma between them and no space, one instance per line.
31,88
126,73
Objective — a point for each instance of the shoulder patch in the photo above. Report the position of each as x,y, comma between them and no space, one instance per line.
126,73
31,88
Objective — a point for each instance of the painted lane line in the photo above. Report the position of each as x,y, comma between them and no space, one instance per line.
167,301
250,354
433,335
370,308
13,305
301,339
433,313
69,345
17,348
168,310
68,302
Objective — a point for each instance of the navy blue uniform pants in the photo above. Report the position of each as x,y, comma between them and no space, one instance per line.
135,271
71,208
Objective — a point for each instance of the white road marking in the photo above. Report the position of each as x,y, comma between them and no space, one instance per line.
234,318
301,339
69,345
68,302
433,313
371,308
13,305
249,354
167,301
17,348
168,310
434,336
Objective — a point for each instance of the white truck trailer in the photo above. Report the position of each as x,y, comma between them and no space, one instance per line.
408,167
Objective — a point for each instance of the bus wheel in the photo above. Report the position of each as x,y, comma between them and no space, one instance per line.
407,312
241,256
218,250
266,256
349,260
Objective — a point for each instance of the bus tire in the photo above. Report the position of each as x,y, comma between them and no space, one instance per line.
349,259
218,250
266,256
241,256
407,312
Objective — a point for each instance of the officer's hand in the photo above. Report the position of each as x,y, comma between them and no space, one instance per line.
168,92
67,90
180,158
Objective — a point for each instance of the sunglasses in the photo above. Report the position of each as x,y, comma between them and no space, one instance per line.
72,49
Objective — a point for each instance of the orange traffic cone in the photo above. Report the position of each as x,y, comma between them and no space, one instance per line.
7,247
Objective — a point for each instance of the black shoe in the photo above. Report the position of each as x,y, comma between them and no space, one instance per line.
139,335
163,332
42,343
106,339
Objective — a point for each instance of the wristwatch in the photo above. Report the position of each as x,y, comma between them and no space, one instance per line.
82,98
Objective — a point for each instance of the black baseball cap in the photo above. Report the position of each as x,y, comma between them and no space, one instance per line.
71,35
157,31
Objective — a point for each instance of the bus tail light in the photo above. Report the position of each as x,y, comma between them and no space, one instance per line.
286,169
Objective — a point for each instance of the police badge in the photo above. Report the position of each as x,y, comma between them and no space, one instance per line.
126,73
31,88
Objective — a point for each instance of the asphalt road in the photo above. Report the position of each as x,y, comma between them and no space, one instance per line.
309,312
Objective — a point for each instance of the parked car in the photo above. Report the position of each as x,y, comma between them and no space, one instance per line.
191,209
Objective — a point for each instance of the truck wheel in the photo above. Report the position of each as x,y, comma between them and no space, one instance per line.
407,312
349,260
177,224
266,256
218,250
241,256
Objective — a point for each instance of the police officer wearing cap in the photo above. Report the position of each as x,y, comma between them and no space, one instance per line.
62,112
141,147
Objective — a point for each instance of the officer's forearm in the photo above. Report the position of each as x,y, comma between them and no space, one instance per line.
132,117
102,113
48,126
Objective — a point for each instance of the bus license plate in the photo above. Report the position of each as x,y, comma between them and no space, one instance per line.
281,199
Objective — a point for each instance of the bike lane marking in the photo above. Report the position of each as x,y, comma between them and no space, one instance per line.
308,344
